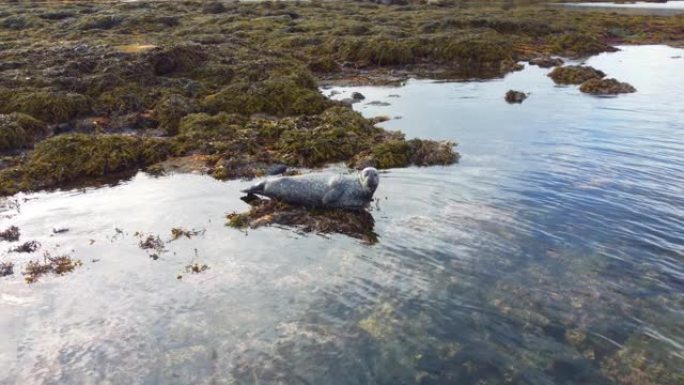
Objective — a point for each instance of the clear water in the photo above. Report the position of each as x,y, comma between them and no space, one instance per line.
552,254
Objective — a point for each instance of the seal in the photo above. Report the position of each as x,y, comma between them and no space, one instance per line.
352,192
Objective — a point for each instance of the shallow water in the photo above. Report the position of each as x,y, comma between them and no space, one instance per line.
552,254
637,7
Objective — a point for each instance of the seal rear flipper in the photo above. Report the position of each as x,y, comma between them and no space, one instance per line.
255,189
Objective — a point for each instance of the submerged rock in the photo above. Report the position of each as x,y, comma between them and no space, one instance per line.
606,87
575,74
515,96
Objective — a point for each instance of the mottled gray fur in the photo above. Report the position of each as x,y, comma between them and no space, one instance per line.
322,190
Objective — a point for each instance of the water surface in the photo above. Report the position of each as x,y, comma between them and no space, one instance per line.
552,254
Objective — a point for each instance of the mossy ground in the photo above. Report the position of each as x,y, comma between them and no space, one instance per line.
183,71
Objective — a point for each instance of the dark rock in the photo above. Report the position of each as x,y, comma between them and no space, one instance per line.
357,96
513,96
606,87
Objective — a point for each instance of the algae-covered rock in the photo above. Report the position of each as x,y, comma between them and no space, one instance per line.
201,125
513,96
268,212
171,109
547,62
70,157
398,152
50,106
19,130
180,58
574,45
606,87
277,96
575,74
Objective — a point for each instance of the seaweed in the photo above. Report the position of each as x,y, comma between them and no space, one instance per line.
26,247
575,74
10,234
50,106
266,212
19,130
59,265
606,87
178,232
73,157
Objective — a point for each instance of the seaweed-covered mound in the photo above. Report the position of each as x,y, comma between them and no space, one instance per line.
19,130
547,61
73,157
266,212
397,152
575,74
606,87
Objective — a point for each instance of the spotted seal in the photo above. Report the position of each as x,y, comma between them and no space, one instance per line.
321,190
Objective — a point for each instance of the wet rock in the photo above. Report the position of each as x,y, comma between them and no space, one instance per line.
10,234
575,74
513,96
357,96
606,87
6,268
547,62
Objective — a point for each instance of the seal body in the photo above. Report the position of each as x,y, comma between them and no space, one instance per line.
321,190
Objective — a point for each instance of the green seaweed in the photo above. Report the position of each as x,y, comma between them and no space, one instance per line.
19,130
50,106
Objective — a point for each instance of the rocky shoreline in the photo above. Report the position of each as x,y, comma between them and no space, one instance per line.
89,91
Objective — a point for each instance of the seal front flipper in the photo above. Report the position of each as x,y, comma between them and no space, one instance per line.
335,191
255,189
